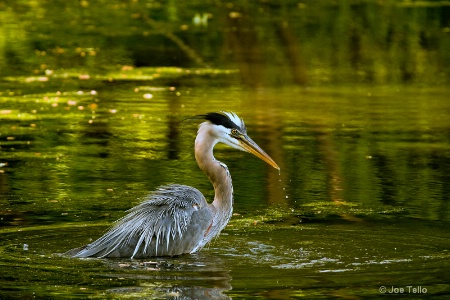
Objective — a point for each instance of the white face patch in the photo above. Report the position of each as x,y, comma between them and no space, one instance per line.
224,136
223,127
233,142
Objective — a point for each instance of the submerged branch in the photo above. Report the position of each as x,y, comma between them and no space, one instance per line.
190,52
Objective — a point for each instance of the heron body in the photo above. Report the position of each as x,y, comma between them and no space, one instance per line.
177,219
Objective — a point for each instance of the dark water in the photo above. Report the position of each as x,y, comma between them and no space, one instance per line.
362,201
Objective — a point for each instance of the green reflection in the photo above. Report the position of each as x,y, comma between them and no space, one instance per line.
353,160
271,43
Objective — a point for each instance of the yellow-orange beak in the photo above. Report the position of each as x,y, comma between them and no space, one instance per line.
250,146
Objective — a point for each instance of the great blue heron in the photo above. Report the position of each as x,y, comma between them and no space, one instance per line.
176,219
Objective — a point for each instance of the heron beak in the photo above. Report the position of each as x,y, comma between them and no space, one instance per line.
250,146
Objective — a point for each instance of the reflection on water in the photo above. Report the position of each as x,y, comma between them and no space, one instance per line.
190,277
361,201
271,261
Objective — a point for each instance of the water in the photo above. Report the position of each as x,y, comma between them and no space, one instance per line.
361,202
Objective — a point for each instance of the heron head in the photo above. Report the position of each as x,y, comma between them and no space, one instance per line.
230,130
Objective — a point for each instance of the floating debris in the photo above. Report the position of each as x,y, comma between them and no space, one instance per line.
84,77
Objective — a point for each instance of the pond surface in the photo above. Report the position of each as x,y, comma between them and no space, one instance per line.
361,203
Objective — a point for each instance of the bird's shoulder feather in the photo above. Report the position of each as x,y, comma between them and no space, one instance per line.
157,226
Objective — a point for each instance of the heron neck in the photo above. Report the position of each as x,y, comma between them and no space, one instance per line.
217,173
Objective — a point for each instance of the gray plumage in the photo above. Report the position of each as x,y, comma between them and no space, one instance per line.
156,226
176,219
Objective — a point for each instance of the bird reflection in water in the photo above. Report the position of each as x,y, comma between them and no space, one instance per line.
198,276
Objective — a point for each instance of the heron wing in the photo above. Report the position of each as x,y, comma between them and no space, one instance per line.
171,221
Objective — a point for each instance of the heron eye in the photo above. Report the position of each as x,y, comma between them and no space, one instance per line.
234,131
